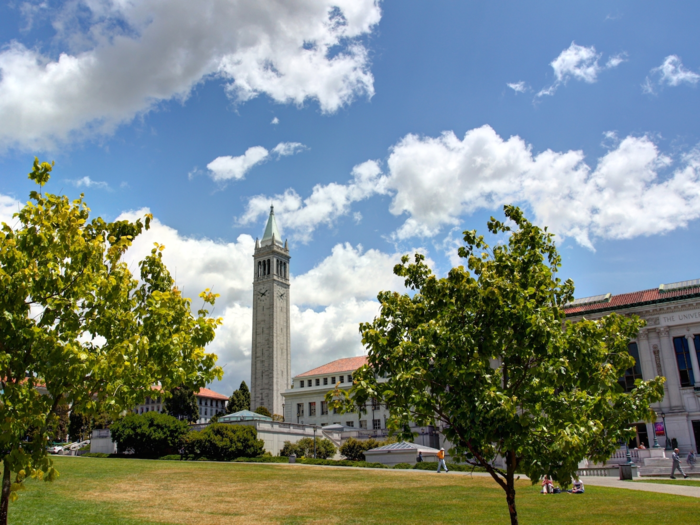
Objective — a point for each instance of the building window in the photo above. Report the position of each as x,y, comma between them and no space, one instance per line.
350,424
363,423
685,369
376,424
333,380
375,403
324,408
312,408
318,382
301,384
325,380
349,378
696,340
206,411
342,379
300,409
631,374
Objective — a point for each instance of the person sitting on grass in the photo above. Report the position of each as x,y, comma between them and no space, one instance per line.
578,487
547,486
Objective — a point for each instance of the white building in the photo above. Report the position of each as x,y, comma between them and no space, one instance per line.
668,346
305,404
209,402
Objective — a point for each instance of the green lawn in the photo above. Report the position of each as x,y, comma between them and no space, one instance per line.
94,491
668,481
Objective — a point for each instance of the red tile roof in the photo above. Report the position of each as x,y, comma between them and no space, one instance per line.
203,392
628,300
347,364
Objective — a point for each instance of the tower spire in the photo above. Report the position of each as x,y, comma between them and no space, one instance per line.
271,229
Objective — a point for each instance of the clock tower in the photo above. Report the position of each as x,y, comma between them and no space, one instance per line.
271,361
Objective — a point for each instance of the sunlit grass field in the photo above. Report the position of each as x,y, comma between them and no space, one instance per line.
95,491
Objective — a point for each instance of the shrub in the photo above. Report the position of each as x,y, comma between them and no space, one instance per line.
403,466
305,448
222,442
354,449
432,465
263,459
263,411
149,435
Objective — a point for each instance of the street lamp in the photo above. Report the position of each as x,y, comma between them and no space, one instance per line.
668,442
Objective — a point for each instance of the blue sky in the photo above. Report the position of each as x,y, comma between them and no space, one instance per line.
376,128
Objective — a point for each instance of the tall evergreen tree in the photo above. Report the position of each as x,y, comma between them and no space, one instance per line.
239,400
182,404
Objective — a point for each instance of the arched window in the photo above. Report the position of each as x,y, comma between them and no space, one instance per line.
259,269
268,267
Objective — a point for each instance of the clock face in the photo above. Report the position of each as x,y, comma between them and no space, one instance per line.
262,293
281,295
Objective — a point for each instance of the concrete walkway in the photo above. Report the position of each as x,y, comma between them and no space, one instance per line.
677,490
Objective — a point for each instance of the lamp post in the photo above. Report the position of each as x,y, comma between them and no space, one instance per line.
668,442
315,441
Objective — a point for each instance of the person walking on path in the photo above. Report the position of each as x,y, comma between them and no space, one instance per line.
441,460
691,459
419,459
677,464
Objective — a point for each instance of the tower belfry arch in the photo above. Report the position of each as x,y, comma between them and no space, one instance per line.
271,361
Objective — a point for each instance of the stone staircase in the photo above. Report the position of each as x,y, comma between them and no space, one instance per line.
658,465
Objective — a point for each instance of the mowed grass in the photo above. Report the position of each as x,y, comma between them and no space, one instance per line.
96,491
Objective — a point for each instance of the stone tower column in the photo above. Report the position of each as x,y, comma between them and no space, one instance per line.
271,361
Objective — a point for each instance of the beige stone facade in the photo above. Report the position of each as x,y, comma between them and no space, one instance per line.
668,346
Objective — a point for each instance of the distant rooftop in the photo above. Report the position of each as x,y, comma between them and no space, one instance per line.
347,364
202,392
243,415
403,445
608,302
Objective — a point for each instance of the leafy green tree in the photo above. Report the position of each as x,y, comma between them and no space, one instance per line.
305,448
263,411
487,353
239,400
223,442
78,328
182,404
149,435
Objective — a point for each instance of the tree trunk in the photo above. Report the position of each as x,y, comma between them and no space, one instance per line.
510,487
510,498
4,502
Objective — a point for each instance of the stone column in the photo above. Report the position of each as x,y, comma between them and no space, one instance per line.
673,380
646,358
694,359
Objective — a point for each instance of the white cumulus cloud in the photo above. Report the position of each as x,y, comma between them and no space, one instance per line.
518,87
227,167
284,149
325,204
121,59
670,73
87,182
627,194
579,63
